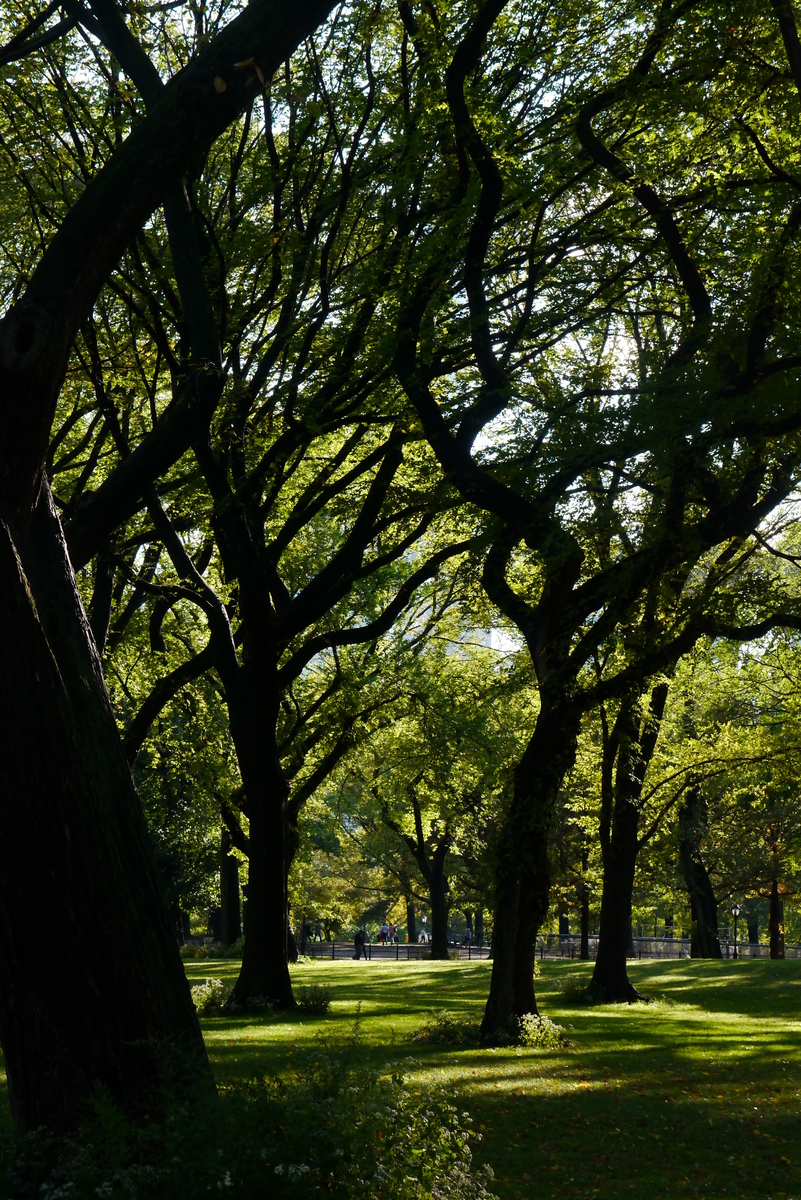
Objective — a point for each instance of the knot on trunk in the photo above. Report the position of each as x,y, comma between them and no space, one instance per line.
24,333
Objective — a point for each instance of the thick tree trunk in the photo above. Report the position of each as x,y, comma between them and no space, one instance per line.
265,969
105,1000
438,894
776,921
479,930
704,941
584,900
522,870
610,977
230,923
628,750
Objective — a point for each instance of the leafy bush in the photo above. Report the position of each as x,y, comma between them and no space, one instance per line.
449,1029
193,950
210,997
314,998
336,1130
541,1033
235,950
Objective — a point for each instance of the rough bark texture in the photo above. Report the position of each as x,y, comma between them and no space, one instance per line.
75,1010
610,976
430,854
584,901
231,924
439,907
252,716
522,871
628,750
776,921
704,941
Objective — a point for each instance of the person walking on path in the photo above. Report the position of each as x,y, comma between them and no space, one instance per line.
383,933
358,944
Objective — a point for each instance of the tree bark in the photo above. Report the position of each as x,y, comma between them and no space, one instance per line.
628,750
253,712
75,1010
522,869
610,977
437,890
584,899
704,941
231,929
776,921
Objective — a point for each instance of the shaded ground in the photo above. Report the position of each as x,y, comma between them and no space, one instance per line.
697,1094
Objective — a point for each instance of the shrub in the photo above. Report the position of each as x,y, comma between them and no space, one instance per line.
335,1130
541,1033
210,997
235,950
314,998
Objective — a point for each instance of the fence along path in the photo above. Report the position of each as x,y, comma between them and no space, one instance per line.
550,946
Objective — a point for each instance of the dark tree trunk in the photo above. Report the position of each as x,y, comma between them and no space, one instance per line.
522,870
431,864
438,894
230,922
265,968
584,900
753,931
479,930
610,976
628,750
704,941
776,921
75,1009
564,921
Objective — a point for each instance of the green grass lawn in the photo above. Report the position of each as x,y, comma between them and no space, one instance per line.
696,1094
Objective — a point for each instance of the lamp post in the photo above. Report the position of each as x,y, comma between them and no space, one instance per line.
735,912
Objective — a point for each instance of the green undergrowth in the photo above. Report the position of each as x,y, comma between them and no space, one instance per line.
695,1094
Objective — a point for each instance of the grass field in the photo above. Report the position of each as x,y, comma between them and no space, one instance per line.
696,1094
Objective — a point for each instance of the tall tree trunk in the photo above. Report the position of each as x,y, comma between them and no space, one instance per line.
610,976
584,900
77,1009
704,941
522,870
265,969
628,750
479,930
231,924
438,894
776,921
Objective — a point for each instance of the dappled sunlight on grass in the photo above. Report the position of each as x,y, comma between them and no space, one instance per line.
695,1094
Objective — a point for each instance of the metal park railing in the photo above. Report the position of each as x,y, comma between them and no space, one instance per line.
554,945
390,952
